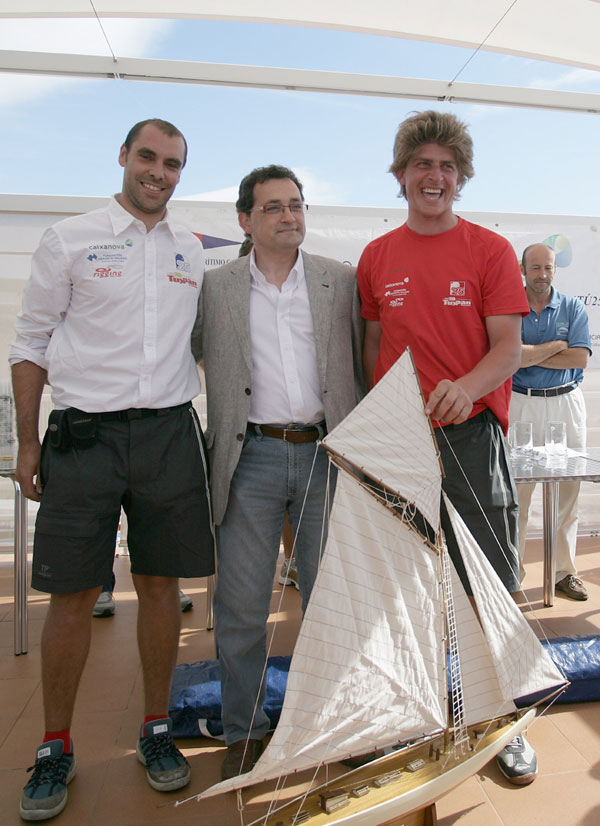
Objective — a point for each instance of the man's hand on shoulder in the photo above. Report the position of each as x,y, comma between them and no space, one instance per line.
28,470
449,403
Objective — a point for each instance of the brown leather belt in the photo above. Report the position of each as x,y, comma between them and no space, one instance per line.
296,433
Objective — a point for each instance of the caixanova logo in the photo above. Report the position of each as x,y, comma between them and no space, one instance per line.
181,279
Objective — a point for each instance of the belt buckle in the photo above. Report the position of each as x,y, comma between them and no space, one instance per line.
287,430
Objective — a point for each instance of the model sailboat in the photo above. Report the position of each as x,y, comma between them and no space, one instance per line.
386,616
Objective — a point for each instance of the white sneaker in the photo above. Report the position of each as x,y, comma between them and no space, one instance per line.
517,762
289,573
185,602
105,605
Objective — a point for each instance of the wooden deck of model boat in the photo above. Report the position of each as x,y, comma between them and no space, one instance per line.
406,793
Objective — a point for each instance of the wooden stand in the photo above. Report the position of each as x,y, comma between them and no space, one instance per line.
423,817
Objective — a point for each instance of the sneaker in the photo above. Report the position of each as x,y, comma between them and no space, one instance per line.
517,762
185,602
46,793
241,757
166,767
289,573
572,587
105,605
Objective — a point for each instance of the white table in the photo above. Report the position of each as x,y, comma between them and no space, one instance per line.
537,467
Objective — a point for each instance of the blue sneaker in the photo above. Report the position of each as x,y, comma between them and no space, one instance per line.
166,767
517,762
46,793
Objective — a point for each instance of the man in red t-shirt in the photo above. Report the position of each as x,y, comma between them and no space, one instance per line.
452,291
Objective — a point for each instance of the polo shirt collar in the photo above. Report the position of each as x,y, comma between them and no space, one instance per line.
121,219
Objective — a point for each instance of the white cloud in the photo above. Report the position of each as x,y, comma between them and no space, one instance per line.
127,38
316,190
228,193
569,78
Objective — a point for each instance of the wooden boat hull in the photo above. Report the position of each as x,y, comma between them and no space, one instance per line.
411,792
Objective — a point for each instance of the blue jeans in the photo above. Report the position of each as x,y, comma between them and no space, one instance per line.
272,476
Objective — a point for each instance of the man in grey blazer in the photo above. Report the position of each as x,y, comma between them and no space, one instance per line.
279,334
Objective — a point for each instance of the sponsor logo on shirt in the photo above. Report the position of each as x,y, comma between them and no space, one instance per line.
107,272
457,295
110,246
395,292
181,263
176,278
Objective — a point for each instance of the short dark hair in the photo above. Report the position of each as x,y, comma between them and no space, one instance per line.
163,125
434,127
260,175
530,247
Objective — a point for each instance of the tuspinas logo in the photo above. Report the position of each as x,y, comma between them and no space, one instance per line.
457,288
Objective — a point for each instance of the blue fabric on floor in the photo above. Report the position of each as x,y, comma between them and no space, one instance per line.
578,658
195,705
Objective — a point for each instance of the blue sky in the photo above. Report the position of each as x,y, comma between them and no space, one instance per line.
62,136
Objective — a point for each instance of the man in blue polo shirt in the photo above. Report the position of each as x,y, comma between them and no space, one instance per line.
556,347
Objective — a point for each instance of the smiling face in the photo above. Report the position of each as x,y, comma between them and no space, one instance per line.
152,167
430,179
274,234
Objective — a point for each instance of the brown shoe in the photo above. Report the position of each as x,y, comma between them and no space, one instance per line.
241,757
572,587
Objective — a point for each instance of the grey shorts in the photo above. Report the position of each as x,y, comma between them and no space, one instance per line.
492,517
153,467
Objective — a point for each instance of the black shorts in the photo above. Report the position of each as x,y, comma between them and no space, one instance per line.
156,469
493,516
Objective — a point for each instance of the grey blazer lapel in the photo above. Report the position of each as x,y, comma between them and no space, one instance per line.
237,294
321,294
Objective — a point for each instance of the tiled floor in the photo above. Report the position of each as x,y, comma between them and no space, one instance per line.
110,788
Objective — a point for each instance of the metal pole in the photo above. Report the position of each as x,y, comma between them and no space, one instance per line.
550,523
20,570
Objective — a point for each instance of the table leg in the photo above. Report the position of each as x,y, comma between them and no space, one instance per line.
20,570
550,511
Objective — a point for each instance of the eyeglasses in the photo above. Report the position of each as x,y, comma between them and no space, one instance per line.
277,209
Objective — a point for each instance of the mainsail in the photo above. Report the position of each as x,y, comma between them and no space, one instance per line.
369,666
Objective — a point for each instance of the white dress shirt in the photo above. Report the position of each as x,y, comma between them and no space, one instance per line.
109,309
285,374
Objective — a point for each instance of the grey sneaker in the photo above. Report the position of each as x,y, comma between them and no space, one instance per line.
185,602
46,793
166,767
517,762
104,605
572,587
289,573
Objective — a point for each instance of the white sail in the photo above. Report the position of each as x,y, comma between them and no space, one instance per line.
521,664
368,667
389,438
482,694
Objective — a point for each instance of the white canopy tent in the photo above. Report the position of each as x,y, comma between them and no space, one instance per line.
561,31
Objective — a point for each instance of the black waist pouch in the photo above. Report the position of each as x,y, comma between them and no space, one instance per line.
82,427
